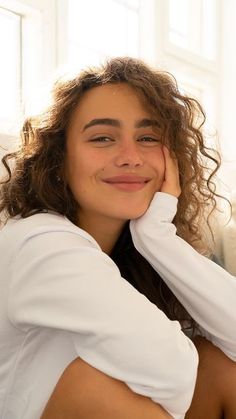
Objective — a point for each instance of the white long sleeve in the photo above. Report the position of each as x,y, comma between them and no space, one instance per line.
206,290
60,280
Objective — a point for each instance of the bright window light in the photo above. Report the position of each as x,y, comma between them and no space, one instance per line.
193,26
178,22
10,69
209,31
99,29
133,3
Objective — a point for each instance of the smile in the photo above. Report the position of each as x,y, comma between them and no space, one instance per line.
128,183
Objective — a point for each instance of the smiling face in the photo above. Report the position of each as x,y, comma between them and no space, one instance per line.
114,159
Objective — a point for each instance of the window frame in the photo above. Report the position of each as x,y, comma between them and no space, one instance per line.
39,28
191,58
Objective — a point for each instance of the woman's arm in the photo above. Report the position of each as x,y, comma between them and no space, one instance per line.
206,290
62,281
84,392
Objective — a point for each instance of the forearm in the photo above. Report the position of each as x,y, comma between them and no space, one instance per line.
206,290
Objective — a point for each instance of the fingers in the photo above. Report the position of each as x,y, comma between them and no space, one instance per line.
171,182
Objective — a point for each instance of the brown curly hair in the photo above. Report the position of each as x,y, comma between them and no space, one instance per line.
33,184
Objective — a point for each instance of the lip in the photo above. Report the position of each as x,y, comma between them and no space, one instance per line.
127,179
127,183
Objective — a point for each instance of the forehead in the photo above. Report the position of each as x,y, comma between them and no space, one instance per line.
111,100
111,92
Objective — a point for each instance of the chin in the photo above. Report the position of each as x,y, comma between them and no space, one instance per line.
132,215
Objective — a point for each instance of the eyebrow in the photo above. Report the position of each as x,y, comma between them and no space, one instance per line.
141,123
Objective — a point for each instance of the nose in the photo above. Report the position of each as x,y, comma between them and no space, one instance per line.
129,155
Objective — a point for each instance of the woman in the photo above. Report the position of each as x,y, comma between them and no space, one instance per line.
101,313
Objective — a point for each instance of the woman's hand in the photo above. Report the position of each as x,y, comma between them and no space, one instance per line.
171,183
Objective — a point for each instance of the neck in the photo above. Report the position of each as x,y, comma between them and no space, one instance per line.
105,231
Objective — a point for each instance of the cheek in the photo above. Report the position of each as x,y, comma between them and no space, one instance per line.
83,172
75,163
158,163
74,171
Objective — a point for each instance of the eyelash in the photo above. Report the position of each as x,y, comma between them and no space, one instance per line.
155,140
101,139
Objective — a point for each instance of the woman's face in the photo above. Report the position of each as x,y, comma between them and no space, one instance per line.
114,158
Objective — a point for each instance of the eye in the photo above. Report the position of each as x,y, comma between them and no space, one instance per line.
102,140
149,140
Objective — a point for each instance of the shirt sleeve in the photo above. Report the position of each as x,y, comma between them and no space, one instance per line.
60,281
206,290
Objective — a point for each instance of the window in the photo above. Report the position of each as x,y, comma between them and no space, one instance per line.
11,65
178,23
100,29
27,48
193,26
190,30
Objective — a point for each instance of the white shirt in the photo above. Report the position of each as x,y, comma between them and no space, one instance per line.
62,298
